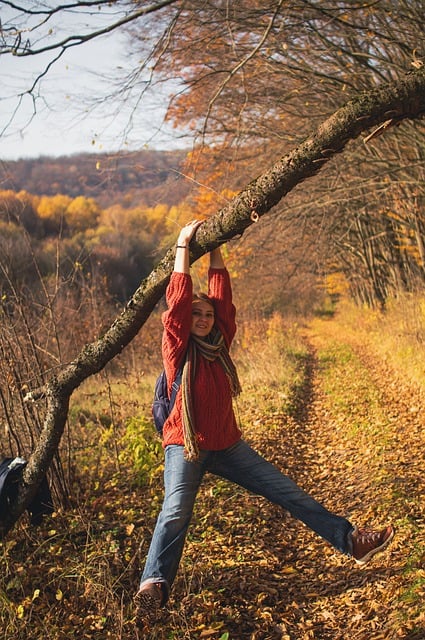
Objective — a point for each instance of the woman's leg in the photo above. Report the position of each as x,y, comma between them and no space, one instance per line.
244,466
181,482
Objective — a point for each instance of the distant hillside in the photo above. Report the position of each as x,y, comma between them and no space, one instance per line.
146,177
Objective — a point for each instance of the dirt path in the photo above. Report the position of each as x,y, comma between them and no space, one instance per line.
367,457
358,448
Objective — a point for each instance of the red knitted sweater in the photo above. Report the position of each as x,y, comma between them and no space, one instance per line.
212,400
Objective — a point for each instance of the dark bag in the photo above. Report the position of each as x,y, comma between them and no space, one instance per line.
162,404
11,470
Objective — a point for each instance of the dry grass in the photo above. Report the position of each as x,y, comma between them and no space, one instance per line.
397,334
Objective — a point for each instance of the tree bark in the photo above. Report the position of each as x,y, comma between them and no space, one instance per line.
383,107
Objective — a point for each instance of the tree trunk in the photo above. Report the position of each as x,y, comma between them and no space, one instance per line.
382,107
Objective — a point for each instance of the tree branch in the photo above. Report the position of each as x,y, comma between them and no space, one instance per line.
398,101
19,50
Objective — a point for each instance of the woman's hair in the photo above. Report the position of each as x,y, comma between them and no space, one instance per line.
204,298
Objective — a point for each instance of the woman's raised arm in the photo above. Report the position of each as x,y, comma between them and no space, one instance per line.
181,262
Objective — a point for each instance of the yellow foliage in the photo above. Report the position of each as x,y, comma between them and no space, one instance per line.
53,207
82,213
13,202
336,284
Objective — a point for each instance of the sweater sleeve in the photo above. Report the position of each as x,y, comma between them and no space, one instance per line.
220,291
177,321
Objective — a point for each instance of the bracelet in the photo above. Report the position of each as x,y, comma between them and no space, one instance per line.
182,246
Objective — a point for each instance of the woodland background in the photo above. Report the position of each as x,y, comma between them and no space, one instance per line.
330,294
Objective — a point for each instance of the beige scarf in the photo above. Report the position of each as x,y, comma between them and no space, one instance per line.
210,350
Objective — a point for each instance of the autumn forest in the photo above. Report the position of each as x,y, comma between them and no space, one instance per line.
302,148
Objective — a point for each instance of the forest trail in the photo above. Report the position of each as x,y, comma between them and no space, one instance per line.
356,442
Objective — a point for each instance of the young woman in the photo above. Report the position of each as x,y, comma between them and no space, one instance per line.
201,434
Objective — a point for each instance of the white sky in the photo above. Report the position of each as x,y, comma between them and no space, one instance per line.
65,121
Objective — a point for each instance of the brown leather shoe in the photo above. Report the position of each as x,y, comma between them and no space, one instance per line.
148,601
367,542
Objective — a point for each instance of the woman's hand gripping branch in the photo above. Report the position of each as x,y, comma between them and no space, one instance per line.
181,262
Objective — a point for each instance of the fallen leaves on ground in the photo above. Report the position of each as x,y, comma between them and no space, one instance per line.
355,441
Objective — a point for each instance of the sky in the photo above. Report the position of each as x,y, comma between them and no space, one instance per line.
67,120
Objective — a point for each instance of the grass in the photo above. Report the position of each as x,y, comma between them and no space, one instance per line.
352,390
397,334
270,356
384,436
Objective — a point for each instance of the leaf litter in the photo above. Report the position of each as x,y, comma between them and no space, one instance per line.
354,440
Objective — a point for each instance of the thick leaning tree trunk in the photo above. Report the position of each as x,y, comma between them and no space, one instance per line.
379,108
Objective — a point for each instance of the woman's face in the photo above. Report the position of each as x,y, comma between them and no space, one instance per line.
202,318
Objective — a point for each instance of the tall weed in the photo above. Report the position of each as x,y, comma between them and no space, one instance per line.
140,447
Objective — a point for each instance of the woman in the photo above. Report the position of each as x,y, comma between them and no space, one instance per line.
201,434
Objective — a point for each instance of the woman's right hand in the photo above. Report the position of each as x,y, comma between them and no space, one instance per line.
187,232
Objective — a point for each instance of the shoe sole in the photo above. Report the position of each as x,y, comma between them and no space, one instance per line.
147,608
369,556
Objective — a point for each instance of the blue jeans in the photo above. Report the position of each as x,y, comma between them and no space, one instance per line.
239,464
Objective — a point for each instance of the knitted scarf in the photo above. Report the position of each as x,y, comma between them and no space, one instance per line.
216,348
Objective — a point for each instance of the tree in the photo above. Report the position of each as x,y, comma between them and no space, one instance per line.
405,99
19,39
82,213
18,209
51,210
256,75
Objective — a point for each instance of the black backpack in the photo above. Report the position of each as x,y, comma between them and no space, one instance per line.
162,404
11,470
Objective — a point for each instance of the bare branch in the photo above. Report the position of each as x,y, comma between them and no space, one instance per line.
53,10
74,40
242,63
